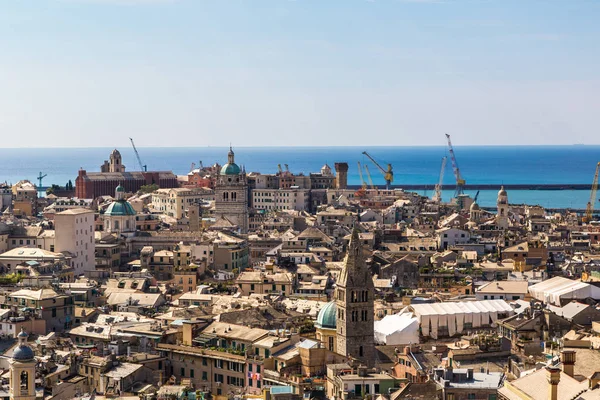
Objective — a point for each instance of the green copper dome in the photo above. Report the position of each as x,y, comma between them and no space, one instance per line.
120,207
230,169
120,188
327,318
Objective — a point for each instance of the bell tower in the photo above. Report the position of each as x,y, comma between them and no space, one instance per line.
22,371
354,302
502,205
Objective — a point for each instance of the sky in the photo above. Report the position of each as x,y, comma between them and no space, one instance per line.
178,73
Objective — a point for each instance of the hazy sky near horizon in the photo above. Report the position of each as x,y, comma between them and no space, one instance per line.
78,73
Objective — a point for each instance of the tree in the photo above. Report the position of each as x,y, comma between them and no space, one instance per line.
149,188
69,185
52,189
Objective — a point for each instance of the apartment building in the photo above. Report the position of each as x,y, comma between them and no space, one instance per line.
281,199
74,234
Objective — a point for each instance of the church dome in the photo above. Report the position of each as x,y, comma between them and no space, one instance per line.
502,191
230,169
120,189
474,207
327,316
118,208
115,152
23,353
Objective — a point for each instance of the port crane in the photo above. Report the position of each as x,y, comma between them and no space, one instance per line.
388,174
142,166
589,210
192,166
369,177
39,179
362,180
437,197
460,182
476,196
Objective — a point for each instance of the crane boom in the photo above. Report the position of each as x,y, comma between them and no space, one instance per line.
388,174
142,166
362,180
437,197
369,177
589,210
460,182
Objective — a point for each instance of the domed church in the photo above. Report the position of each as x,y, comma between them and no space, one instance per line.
231,194
326,325
119,217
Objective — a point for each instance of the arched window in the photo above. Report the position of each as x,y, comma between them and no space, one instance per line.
24,379
127,224
233,196
116,225
225,196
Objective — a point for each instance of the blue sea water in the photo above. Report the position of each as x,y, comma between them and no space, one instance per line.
412,165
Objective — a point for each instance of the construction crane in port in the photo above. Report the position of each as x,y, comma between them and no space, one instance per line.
360,174
192,166
437,197
589,210
39,179
142,166
476,196
388,174
369,177
460,182
279,169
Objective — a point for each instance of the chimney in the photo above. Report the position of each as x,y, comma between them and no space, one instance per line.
553,375
406,350
567,357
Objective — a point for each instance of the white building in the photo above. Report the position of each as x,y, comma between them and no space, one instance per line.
281,199
397,329
559,290
449,319
175,202
448,237
74,233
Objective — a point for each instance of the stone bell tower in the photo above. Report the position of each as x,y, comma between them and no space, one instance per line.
354,302
22,371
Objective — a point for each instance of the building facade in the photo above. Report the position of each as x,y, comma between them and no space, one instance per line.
74,234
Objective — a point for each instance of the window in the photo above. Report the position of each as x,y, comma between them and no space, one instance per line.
471,396
331,343
191,373
360,351
204,375
258,368
182,372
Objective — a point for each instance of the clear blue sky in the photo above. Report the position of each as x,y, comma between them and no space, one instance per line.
312,72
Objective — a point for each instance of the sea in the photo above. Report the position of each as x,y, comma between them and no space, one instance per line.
412,165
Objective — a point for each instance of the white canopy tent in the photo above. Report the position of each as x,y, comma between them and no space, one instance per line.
553,290
397,329
449,319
